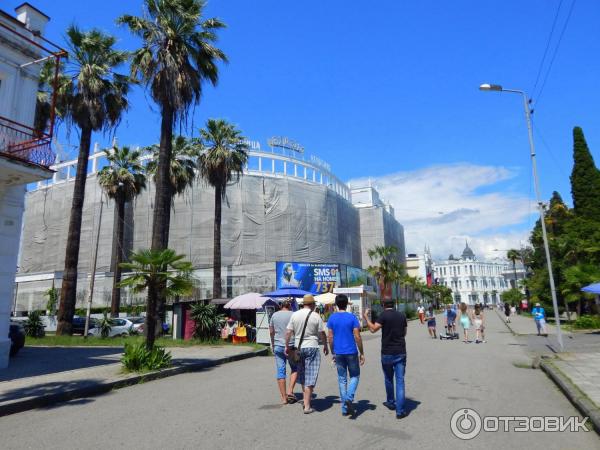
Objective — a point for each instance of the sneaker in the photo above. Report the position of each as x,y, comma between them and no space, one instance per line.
389,405
401,416
350,407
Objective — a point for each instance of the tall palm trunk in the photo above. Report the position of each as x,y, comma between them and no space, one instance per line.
68,292
161,216
217,244
118,256
515,272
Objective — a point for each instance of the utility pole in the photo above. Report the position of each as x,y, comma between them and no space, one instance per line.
93,274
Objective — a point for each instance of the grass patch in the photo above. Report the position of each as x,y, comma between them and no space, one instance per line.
521,365
79,341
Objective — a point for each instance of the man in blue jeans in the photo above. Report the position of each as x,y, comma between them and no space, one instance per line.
393,354
277,328
344,339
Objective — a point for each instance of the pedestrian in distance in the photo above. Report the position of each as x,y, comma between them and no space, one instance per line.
478,324
430,318
347,352
539,316
450,321
393,328
465,321
421,313
507,311
277,328
307,328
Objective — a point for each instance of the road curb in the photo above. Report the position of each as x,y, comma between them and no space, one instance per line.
101,387
582,403
503,319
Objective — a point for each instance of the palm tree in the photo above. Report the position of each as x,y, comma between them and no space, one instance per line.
96,101
164,274
221,162
513,255
122,180
182,170
388,271
176,57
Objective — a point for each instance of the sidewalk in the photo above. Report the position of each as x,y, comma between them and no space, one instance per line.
21,391
575,370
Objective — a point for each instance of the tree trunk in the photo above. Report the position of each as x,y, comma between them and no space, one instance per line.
515,273
161,216
115,304
217,245
68,292
150,325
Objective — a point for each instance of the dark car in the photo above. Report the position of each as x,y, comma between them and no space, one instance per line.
16,334
79,324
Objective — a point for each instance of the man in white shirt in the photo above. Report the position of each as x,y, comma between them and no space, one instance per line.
309,323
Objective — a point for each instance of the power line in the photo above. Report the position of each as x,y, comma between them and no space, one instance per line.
562,33
537,78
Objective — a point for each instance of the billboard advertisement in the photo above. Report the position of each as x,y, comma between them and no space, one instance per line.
317,278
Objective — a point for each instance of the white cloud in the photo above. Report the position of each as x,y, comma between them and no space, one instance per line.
442,206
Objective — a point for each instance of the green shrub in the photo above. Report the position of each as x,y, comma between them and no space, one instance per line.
584,322
34,326
410,313
52,295
105,325
207,321
137,358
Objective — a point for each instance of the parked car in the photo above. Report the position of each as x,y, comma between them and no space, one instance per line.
120,327
79,325
16,334
138,323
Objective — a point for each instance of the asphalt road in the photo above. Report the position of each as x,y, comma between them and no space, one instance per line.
235,406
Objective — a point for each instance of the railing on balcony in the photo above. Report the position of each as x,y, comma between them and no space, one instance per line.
23,142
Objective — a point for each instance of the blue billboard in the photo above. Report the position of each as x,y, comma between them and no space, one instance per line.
317,278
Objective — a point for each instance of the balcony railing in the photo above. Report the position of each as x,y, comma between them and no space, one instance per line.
23,142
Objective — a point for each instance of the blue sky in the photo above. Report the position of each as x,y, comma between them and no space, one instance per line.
388,89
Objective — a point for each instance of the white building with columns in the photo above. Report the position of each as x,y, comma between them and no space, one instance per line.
472,281
25,153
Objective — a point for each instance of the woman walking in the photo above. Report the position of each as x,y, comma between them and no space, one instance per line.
465,321
478,323
430,317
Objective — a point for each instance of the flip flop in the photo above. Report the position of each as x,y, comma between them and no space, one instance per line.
291,399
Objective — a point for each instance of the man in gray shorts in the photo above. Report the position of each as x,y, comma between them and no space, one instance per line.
277,328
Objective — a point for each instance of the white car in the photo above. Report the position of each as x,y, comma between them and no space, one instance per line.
120,327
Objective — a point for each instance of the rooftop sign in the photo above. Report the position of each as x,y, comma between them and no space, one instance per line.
287,143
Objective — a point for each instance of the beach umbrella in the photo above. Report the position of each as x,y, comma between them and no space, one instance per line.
286,292
326,299
592,288
251,300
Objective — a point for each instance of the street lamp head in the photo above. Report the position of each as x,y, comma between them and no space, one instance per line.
490,87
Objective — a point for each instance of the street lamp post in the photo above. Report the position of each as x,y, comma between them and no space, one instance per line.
498,88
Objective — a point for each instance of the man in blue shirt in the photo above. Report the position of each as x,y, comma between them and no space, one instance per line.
539,315
344,338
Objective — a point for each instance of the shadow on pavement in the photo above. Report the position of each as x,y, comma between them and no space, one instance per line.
363,406
34,361
46,389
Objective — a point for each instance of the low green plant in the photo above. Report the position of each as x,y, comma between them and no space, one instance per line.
105,325
410,313
587,322
52,295
137,358
34,326
207,321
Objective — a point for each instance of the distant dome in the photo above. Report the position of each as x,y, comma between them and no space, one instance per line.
451,257
467,252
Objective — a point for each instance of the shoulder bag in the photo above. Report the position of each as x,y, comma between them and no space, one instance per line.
293,352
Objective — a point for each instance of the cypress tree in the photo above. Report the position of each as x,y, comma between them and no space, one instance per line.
585,179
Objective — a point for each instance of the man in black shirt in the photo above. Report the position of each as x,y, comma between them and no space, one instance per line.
393,354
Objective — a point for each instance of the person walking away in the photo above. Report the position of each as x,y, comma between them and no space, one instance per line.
465,321
450,321
539,316
430,317
393,328
421,312
277,328
478,323
507,311
344,341
307,328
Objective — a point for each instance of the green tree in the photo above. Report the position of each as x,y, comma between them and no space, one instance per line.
388,270
513,255
585,179
512,296
96,100
122,180
577,277
177,56
221,162
163,273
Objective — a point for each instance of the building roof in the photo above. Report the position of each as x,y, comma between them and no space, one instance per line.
467,252
32,7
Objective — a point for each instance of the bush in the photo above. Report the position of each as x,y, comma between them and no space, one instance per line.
105,325
410,313
207,321
34,327
137,358
586,322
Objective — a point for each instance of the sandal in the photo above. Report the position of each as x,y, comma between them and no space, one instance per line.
291,399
